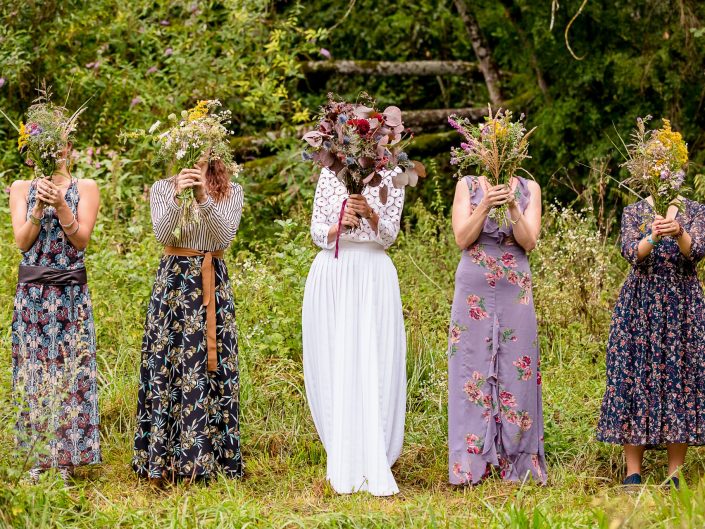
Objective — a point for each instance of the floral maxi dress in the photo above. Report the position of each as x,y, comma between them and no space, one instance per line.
655,390
54,353
495,417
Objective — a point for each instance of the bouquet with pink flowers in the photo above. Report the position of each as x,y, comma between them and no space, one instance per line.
357,143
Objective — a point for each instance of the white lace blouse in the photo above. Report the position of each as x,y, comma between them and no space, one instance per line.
330,193
216,228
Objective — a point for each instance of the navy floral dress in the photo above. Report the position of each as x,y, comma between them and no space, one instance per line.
656,352
54,353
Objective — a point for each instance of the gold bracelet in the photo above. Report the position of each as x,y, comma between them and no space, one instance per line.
34,220
74,232
514,222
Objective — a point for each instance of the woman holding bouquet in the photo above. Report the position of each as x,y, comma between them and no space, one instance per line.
495,415
353,327
655,392
188,407
353,336
53,334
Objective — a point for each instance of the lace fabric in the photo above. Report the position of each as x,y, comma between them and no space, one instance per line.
330,193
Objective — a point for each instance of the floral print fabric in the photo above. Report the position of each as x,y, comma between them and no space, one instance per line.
655,390
54,353
495,417
188,418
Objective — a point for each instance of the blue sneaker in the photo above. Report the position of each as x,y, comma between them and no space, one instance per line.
674,483
634,479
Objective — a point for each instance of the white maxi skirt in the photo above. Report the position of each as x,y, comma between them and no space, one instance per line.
355,365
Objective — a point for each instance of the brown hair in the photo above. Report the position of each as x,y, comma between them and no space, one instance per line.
218,180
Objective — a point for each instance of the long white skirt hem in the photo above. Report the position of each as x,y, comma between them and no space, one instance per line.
355,365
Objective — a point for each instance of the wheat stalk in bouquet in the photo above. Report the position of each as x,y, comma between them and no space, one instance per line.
45,133
495,148
199,133
656,161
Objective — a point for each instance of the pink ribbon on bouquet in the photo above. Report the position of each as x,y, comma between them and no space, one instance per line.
340,224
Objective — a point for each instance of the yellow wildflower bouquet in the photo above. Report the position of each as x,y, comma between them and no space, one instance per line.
495,148
657,162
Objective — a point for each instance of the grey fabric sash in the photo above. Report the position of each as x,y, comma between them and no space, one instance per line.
45,275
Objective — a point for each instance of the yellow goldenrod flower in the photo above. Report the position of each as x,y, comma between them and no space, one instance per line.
22,139
199,111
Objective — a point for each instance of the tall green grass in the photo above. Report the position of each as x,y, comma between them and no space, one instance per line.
577,276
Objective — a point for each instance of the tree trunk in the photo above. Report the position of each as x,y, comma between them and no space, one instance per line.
482,51
388,68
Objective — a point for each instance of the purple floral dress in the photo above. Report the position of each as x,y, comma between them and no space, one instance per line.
495,416
54,353
656,351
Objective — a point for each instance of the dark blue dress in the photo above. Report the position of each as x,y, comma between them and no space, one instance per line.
656,352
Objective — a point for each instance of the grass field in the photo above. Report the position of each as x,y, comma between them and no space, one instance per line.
577,277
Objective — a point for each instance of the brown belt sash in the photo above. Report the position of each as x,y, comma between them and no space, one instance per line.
208,280
45,275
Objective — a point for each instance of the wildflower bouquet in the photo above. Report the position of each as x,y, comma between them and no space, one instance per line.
357,143
44,135
200,131
656,161
496,148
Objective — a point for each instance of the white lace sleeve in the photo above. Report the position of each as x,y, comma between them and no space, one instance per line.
323,210
389,216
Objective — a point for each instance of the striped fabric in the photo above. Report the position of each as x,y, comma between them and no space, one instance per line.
218,221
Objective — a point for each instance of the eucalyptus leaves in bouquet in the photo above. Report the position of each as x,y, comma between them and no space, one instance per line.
495,148
200,134
656,161
358,143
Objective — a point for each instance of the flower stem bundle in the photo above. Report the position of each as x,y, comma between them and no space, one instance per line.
200,134
357,143
656,161
45,133
495,148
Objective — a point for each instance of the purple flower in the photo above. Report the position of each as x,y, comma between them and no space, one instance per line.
665,174
168,52
164,23
466,147
325,53
152,70
2,82
7,190
135,101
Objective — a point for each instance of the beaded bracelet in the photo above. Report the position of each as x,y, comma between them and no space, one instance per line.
74,232
69,224
680,233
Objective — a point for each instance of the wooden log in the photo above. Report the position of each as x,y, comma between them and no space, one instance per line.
438,117
389,68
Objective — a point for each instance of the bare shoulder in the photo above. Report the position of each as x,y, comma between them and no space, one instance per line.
87,184
20,187
534,188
